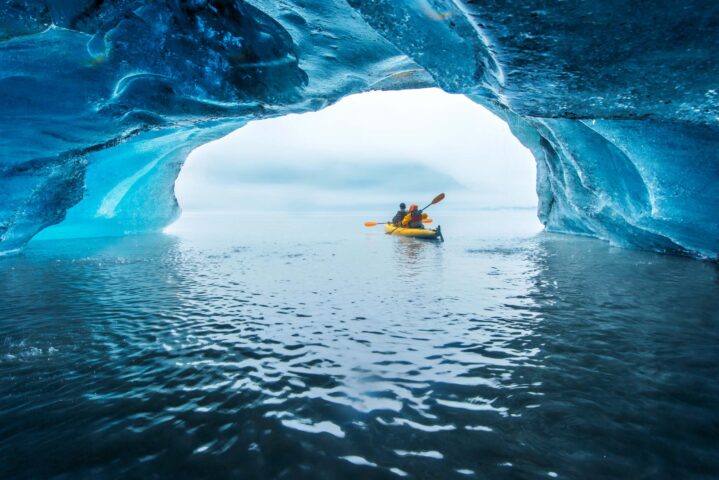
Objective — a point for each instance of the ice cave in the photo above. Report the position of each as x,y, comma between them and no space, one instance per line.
101,102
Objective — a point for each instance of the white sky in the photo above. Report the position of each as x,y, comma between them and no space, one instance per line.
367,150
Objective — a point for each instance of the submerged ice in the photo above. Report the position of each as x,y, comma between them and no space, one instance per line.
101,102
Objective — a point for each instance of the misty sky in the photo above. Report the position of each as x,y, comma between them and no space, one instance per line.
366,151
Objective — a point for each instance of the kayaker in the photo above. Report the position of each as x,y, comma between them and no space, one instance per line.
413,219
399,216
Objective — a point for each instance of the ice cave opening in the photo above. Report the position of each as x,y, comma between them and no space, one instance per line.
102,103
363,155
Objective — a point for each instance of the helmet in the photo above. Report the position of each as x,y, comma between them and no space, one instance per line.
402,206
413,207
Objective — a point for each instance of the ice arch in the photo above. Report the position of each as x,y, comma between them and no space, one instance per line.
363,154
102,101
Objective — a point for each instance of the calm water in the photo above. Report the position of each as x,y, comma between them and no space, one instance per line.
270,347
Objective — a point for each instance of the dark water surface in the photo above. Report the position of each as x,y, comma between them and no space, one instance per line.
313,348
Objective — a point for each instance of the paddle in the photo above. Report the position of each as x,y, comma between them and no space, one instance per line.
374,224
437,199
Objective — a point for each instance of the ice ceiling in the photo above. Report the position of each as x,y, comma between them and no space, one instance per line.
101,101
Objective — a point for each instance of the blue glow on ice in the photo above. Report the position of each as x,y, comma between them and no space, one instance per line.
101,102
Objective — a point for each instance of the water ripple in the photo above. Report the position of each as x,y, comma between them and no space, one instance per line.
520,360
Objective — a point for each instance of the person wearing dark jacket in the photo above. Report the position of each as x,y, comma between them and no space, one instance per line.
399,216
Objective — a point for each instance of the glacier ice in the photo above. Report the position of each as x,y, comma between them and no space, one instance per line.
100,102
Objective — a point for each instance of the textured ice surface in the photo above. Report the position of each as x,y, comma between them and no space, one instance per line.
100,102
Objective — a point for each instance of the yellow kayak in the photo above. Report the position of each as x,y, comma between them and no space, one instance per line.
426,233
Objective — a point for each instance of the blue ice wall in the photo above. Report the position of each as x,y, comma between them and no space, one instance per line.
138,194
643,184
100,102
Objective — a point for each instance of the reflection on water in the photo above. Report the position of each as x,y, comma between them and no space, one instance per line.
412,256
333,351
